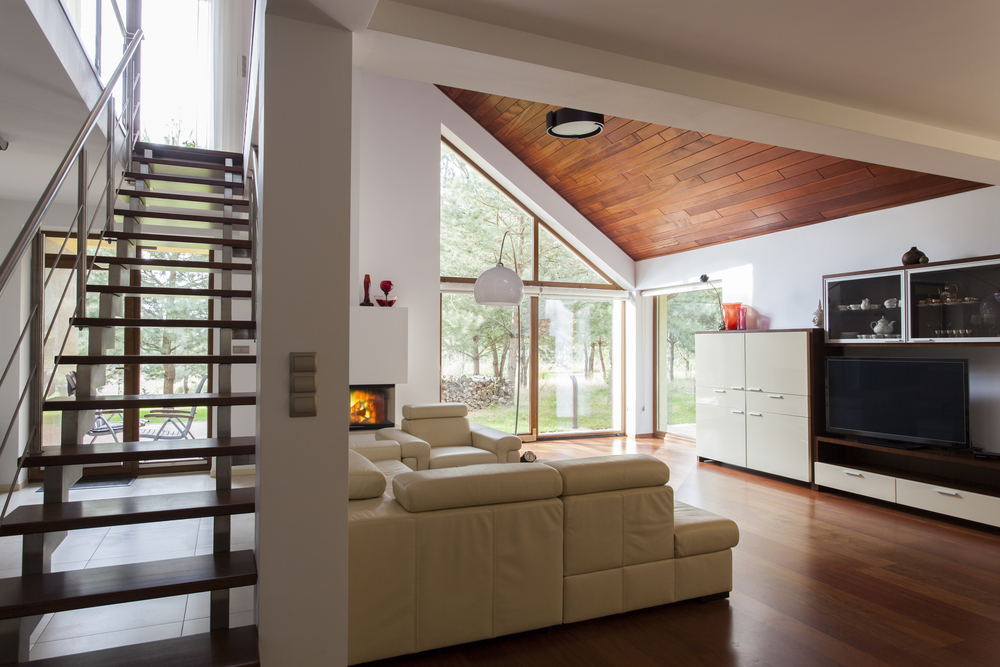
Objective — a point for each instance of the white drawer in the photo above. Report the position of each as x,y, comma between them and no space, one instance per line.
860,482
778,444
780,404
945,500
722,434
720,397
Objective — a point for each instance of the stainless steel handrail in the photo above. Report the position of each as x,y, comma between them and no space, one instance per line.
34,223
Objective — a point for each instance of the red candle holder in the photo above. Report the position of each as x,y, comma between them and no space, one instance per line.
731,315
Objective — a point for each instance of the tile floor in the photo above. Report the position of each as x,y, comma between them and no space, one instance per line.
134,622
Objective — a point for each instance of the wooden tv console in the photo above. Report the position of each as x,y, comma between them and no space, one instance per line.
949,482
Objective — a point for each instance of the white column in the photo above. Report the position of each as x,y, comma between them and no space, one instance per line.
305,175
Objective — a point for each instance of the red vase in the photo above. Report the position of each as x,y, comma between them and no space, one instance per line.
741,319
731,314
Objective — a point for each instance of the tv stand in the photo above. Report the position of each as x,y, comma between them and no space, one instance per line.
950,482
892,444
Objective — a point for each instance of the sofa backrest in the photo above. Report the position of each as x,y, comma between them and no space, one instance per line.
439,424
472,486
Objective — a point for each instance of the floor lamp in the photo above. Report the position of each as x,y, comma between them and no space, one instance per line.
500,286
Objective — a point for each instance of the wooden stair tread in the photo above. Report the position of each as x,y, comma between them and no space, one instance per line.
169,291
188,164
156,359
78,589
183,196
134,323
143,450
207,154
184,216
177,240
64,403
234,647
181,178
180,264
104,512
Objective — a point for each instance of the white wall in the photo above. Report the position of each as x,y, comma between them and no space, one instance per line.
781,276
396,225
305,176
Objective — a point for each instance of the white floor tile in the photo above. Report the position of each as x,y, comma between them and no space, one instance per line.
114,618
104,640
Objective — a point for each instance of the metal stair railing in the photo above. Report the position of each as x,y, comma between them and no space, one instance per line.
122,134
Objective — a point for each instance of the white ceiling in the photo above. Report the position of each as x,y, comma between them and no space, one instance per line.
922,60
904,83
41,109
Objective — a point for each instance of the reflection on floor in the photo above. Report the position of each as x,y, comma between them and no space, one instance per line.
118,625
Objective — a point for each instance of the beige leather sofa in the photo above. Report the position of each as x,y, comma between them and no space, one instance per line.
454,555
438,435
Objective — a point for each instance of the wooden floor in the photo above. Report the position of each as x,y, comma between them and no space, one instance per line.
819,579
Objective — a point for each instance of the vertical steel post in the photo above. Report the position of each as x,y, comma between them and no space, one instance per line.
112,195
97,38
81,237
36,346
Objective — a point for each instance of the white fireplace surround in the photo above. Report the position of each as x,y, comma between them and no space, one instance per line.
379,346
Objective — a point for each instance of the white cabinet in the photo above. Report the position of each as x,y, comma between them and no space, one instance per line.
720,360
753,400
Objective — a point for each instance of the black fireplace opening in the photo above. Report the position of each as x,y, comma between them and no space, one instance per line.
373,406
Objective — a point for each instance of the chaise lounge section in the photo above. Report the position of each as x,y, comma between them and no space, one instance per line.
454,555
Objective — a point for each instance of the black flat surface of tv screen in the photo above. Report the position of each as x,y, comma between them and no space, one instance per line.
924,401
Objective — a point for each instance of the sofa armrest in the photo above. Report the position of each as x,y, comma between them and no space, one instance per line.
378,450
495,441
410,446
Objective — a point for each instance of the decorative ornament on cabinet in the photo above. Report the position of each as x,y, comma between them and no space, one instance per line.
718,297
913,256
368,284
818,314
386,287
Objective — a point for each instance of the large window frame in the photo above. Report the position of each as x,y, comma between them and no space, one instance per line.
535,289
659,430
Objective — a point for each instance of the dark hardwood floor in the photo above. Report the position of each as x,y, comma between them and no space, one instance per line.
819,579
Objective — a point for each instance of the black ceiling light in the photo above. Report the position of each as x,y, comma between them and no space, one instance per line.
573,124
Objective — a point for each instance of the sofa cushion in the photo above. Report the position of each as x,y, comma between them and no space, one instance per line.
453,457
364,479
443,432
378,450
610,473
435,410
699,532
470,486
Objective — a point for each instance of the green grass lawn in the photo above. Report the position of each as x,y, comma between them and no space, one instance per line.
599,418
680,401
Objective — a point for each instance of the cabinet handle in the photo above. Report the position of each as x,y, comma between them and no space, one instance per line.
953,494
853,473
775,396
720,391
737,412
754,389
755,414
738,388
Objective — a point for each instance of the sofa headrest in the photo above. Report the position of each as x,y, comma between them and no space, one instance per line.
469,486
364,479
435,410
610,473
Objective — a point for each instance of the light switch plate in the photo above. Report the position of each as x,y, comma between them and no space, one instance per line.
302,362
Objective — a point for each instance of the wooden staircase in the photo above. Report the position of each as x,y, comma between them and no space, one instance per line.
164,181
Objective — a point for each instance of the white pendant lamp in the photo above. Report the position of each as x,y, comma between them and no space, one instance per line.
499,286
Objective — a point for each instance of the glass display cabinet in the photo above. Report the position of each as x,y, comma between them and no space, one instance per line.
865,307
955,301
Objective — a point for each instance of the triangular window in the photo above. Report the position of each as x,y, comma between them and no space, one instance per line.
475,214
558,264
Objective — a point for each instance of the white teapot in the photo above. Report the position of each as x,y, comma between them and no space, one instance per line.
883,326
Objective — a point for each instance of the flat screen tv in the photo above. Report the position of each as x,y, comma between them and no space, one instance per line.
921,401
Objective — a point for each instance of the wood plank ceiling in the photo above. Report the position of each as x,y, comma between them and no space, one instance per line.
657,190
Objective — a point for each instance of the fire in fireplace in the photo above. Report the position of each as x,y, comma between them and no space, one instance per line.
372,406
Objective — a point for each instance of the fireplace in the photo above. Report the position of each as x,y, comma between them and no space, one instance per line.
373,406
